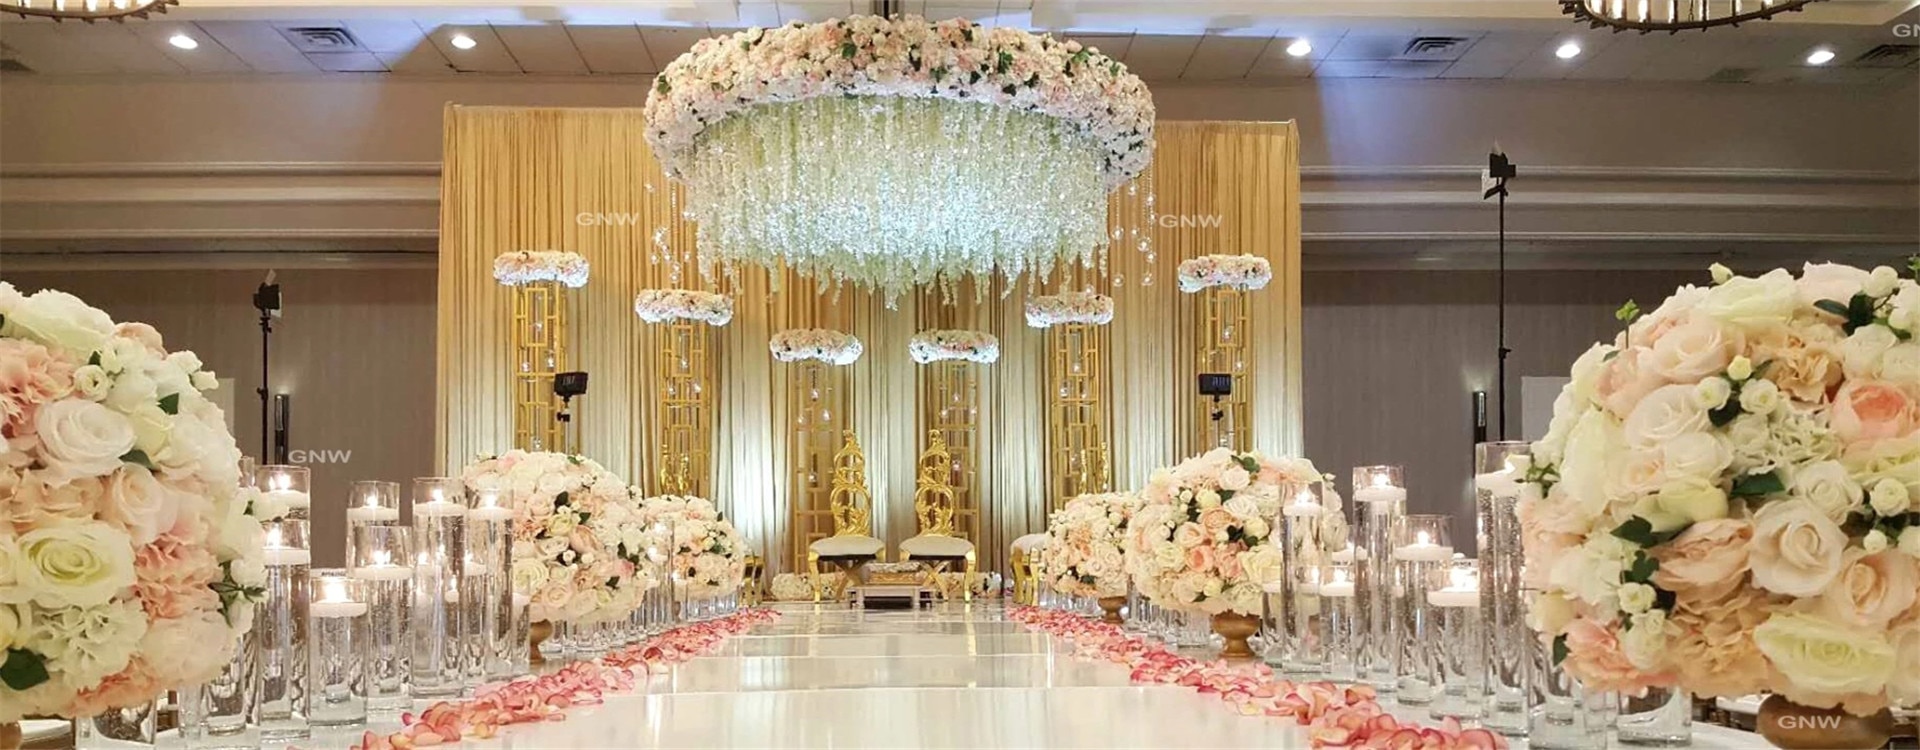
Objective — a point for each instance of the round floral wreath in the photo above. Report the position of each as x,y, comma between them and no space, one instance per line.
927,347
1051,310
958,60
1244,272
668,305
521,267
829,346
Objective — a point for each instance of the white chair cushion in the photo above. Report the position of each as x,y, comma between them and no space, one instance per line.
1030,542
936,546
847,546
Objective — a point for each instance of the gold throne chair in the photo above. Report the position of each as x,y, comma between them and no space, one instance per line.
938,543
852,543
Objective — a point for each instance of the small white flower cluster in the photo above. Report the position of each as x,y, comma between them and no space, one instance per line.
1093,94
1047,311
669,305
1244,272
579,539
130,557
520,267
928,347
831,347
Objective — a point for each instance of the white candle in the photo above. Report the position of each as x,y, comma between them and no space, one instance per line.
372,514
1423,550
334,602
1337,589
1345,554
1499,483
520,601
286,556
438,508
382,572
1381,498
1454,597
290,499
491,513
1303,506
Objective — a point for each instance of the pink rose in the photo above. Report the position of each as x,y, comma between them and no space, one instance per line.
1229,564
30,375
1796,549
1871,589
1595,657
1865,410
1216,521
1706,561
1625,381
1693,350
1200,559
172,579
1188,535
138,504
144,335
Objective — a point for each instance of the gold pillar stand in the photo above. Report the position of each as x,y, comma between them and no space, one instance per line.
539,351
1079,441
684,404
816,410
951,395
1225,344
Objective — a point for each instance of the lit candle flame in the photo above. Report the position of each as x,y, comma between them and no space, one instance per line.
1422,538
273,539
382,557
333,589
1380,481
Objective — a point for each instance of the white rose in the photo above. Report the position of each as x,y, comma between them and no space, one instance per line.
1752,303
1235,478
92,382
132,389
60,321
1549,613
151,428
1586,372
1242,507
1693,350
1208,499
205,380
1740,368
1861,353
1880,282
185,360
1645,641
249,571
1636,598
1828,487
1682,502
239,533
1875,542
1256,527
1665,414
1720,273
1829,281
1910,541
192,444
1821,656
1584,470
1591,572
1759,397
1889,497
81,438
74,565
1263,564
1712,393
1901,363
1698,454
13,626
1796,549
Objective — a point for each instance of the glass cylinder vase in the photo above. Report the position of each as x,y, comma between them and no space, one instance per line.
1564,714
227,699
1302,645
381,564
1421,565
440,542
486,595
280,697
1379,500
289,487
1661,717
1339,621
118,728
340,649
371,503
1455,646
1511,647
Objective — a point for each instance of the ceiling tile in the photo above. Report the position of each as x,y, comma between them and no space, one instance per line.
209,57
664,43
488,55
1465,68
1160,57
544,49
116,43
612,49
260,45
1275,62
1506,46
1413,68
762,14
1224,57
381,35
347,62
1369,46
1349,69
424,60
41,47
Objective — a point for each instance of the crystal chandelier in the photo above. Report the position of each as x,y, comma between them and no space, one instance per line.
1675,15
890,153
85,10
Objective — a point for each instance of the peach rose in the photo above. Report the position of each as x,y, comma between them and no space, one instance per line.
1871,589
1594,656
41,504
1706,561
1796,549
131,686
1694,349
1229,564
1200,559
1626,381
1865,410
1714,653
172,578
1804,361
1216,521
30,375
1545,534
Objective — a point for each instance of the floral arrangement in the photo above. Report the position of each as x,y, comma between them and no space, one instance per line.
870,56
927,347
1201,538
1334,715
704,556
1725,500
1047,311
521,267
669,305
1245,272
1085,553
130,558
831,347
546,697
579,543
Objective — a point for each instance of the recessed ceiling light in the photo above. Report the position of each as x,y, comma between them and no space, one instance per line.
1300,48
1568,51
1820,56
462,41
183,41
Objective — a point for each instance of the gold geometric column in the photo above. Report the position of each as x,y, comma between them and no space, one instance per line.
682,411
1224,348
816,414
952,398
539,348
1079,441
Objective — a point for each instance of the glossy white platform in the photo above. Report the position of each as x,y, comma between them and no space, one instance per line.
952,677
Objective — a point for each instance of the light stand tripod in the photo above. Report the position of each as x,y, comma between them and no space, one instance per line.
266,299
1492,183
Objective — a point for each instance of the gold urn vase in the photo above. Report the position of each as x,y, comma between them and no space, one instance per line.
537,634
1110,607
1236,628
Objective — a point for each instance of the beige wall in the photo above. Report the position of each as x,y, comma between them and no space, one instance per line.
355,349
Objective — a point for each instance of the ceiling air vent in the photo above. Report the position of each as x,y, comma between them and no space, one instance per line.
1889,56
320,39
1435,48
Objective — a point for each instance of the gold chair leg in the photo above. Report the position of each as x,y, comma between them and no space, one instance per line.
813,574
966,579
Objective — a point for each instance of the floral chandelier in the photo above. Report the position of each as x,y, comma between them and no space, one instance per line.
85,10
890,153
1675,15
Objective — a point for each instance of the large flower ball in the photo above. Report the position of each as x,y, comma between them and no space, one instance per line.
130,558
1085,548
1201,540
579,541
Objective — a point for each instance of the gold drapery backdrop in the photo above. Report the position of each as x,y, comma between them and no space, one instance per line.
582,180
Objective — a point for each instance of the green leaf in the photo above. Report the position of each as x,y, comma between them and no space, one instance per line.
1664,600
1832,306
1726,413
1627,312
170,403
1642,569
94,360
23,669
560,500
1559,649
1913,265
848,50
137,456
1004,63
1640,531
1610,356
1758,485
660,84
1247,462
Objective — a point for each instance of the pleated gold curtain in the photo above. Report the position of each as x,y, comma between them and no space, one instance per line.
583,180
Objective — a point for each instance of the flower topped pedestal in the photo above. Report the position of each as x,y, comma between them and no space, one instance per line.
522,267
132,558
1725,501
928,347
542,343
682,408
816,344
1085,307
579,539
1243,272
